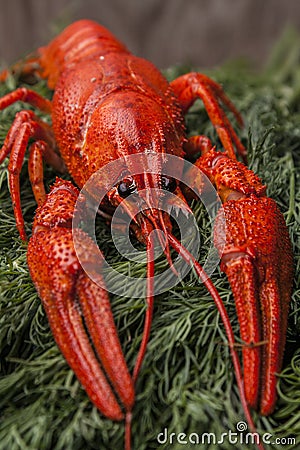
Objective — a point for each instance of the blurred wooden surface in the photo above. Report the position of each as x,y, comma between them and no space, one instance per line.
202,32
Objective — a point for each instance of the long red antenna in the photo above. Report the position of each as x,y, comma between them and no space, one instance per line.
149,311
186,255
127,440
146,333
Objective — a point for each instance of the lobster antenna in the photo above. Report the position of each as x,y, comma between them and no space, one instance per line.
127,440
149,311
167,247
146,332
187,256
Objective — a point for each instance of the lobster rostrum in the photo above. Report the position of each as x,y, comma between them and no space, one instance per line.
109,104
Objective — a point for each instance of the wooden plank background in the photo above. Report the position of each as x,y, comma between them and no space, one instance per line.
202,32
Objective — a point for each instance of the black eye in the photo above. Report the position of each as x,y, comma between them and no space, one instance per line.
168,183
126,187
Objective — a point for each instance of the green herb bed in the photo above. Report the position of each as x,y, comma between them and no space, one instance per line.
187,383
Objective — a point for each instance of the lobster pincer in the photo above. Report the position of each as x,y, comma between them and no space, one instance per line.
74,303
256,255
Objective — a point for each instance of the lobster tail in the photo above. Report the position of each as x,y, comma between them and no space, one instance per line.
79,41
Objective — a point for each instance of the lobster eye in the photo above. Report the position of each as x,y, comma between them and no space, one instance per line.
168,183
126,187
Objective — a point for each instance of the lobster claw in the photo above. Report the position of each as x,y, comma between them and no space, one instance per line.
256,254
257,259
76,305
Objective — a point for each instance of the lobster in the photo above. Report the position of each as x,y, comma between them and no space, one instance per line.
108,104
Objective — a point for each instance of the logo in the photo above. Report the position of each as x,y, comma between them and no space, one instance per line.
140,204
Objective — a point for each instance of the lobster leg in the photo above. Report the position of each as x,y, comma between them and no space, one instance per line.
25,69
26,126
194,85
37,152
28,96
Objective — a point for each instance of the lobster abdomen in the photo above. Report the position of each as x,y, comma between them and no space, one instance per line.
80,40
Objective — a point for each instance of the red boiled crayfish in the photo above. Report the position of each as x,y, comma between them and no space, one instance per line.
109,104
